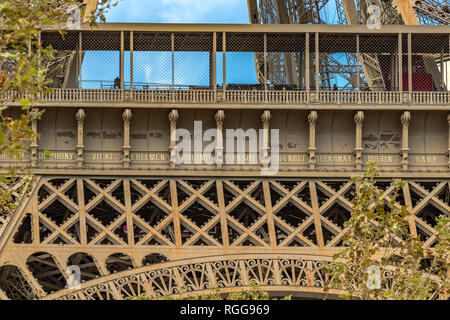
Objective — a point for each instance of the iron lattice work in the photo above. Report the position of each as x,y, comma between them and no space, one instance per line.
286,68
109,225
432,12
16,188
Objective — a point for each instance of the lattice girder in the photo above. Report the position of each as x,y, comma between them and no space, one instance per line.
147,216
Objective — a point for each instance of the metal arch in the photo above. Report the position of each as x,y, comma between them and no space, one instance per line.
300,274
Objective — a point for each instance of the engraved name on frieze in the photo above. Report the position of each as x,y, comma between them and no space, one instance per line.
148,157
380,158
101,156
57,156
334,158
428,159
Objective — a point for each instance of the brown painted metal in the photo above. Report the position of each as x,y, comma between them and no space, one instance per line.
110,198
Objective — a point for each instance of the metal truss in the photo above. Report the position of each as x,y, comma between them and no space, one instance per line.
284,68
17,188
64,71
109,225
58,69
432,11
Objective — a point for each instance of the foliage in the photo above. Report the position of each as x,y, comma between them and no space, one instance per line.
22,74
377,236
252,293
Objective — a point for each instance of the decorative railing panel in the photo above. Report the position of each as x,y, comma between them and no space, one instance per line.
242,97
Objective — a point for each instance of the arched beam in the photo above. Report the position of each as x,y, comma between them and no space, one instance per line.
278,274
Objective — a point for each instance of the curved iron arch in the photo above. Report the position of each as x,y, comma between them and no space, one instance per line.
299,275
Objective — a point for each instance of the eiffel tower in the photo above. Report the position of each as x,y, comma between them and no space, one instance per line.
112,206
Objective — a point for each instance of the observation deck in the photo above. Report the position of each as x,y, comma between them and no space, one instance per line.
233,66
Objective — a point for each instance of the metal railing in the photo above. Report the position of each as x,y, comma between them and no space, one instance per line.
208,96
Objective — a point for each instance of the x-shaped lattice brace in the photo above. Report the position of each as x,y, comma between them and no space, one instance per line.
59,193
17,190
3,222
245,196
338,196
428,198
104,194
291,197
151,195
197,196
346,204
14,188
334,197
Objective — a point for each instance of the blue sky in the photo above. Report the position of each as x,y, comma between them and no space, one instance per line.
180,11
155,67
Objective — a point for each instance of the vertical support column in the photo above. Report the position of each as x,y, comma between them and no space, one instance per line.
220,117
411,218
224,64
265,64
128,211
172,48
448,151
308,69
33,144
410,83
80,58
359,119
222,213
393,71
269,214
82,210
126,116
358,73
35,219
312,119
173,118
175,212
122,62
317,64
39,45
316,212
400,66
80,117
265,118
214,65
405,119
131,62
442,70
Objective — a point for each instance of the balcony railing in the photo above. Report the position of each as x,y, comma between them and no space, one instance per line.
241,96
